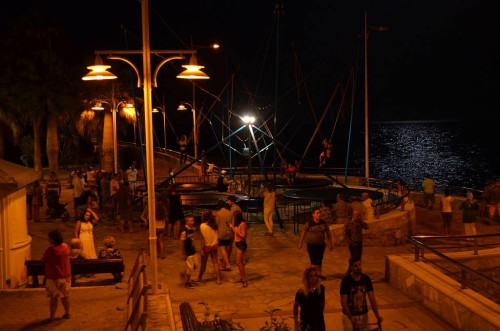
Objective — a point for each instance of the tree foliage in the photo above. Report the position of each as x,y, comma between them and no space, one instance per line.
38,82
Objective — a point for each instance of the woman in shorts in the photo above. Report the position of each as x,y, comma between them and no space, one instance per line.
209,245
240,241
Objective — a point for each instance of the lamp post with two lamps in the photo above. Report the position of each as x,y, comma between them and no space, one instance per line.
148,82
115,106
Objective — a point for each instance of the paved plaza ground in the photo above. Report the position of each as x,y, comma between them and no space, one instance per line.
274,267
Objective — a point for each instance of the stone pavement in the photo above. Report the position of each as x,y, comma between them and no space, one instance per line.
274,267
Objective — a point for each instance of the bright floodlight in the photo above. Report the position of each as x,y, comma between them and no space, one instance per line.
248,119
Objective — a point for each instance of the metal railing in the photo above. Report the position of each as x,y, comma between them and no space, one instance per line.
137,292
466,276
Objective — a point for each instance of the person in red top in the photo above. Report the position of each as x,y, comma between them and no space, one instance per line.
292,174
57,273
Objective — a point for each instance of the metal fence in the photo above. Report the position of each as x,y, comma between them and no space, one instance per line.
484,282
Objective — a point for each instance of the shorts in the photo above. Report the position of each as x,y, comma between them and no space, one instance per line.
58,287
126,214
207,249
493,208
191,263
171,220
362,321
241,245
429,197
225,242
160,231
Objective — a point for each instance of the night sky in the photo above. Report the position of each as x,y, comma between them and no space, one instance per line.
440,59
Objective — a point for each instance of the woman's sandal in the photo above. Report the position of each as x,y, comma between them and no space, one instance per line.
245,283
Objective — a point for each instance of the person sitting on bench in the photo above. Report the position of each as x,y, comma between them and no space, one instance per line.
110,252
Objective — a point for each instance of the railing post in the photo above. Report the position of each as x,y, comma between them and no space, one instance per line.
417,253
474,245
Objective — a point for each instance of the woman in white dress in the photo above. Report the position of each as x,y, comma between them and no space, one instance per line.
84,229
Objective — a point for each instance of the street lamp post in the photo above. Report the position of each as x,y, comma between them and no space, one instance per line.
162,110
366,32
114,109
249,120
182,106
148,81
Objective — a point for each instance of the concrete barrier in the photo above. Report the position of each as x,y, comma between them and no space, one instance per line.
465,309
387,230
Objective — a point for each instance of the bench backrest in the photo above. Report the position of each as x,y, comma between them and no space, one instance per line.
37,267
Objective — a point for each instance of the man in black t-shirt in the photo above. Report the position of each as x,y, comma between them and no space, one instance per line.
354,288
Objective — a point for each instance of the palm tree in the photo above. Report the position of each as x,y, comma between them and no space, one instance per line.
9,124
37,81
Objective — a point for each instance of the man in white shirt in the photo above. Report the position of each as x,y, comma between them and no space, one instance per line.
132,176
368,210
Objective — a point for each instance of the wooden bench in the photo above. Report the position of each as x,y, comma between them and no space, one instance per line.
191,323
36,268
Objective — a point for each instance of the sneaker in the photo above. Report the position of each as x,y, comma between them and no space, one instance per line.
188,285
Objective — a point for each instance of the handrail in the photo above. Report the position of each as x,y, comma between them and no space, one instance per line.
418,241
137,292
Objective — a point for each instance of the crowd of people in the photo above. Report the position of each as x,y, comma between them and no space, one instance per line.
224,227
485,205
92,188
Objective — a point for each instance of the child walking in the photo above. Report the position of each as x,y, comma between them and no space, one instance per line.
188,250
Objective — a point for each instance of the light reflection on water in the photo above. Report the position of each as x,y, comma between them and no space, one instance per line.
453,153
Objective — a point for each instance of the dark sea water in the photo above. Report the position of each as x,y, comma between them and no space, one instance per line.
464,154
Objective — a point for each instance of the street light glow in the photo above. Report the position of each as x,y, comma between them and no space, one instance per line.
247,119
98,106
193,70
99,71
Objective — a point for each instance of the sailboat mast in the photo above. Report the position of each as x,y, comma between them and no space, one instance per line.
279,12
367,139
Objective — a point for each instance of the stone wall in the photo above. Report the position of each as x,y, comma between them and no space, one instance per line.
387,230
